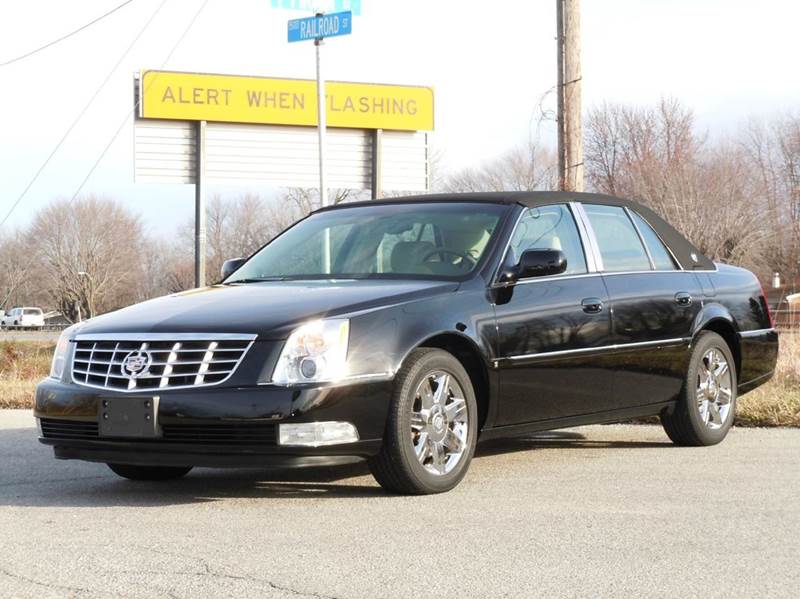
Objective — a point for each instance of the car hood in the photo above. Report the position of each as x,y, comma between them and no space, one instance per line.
269,310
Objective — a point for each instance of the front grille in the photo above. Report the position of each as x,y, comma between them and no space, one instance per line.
152,362
227,434
68,429
238,433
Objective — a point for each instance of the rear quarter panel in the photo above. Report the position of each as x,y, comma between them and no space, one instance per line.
737,293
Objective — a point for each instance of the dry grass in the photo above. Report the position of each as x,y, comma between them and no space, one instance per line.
24,363
778,402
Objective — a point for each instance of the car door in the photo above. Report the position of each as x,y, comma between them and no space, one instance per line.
653,303
550,329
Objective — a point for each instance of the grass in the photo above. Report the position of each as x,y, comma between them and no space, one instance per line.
777,403
22,365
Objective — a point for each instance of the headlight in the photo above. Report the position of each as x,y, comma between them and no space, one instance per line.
315,352
60,355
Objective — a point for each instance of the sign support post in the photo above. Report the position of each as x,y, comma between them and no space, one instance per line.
321,122
377,174
200,205
321,126
317,28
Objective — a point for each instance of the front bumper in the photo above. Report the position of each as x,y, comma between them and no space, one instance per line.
203,427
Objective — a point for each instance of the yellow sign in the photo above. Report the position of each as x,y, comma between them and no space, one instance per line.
264,100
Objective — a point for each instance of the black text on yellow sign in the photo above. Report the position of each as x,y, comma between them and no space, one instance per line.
236,99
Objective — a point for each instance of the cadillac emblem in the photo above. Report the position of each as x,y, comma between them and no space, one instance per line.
136,364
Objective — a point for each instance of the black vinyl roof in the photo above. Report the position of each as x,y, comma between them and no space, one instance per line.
689,257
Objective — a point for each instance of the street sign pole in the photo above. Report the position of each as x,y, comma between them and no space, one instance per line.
200,205
321,122
317,28
321,126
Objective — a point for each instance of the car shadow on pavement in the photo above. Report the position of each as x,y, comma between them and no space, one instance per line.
30,476
558,440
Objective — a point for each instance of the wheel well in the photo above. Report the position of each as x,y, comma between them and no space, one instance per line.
725,330
466,353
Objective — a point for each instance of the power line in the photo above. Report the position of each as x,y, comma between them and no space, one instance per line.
136,104
82,112
63,37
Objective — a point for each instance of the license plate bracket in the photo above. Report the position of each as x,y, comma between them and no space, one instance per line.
128,417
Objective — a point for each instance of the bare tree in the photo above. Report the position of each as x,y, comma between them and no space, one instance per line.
656,156
773,149
525,168
15,268
90,251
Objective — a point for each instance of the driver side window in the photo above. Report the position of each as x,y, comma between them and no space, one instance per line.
548,228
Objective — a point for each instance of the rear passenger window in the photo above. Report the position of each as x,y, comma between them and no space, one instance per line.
620,246
658,251
548,228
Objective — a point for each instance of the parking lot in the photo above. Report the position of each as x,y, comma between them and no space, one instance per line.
595,511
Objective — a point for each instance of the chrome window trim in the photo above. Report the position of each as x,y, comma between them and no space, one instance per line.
756,332
640,272
145,337
591,250
586,250
504,255
587,274
583,233
583,350
641,238
598,258
597,245
665,244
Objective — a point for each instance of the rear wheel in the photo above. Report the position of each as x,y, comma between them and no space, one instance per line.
149,472
705,409
432,426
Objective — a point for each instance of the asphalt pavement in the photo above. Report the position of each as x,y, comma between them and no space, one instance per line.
601,511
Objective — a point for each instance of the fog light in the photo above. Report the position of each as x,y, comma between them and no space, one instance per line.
314,434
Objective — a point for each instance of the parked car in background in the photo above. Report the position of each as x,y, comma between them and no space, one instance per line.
401,330
23,318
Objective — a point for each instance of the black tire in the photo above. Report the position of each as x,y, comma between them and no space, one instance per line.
396,467
684,424
149,472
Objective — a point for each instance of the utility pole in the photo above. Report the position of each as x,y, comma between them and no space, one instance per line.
570,133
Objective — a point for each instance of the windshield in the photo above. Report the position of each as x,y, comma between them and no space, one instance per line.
422,240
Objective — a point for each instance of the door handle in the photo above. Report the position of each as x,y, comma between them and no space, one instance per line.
592,305
682,298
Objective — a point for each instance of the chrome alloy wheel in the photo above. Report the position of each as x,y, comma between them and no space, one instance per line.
714,392
439,422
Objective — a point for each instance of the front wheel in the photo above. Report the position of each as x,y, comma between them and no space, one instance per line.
149,472
705,409
432,426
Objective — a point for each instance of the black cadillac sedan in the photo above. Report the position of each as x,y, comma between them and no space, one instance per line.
401,331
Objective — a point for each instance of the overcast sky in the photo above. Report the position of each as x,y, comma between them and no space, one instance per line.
488,62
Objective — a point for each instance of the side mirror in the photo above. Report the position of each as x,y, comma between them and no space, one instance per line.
230,266
536,263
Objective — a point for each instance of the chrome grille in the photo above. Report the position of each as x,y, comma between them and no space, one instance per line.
151,362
